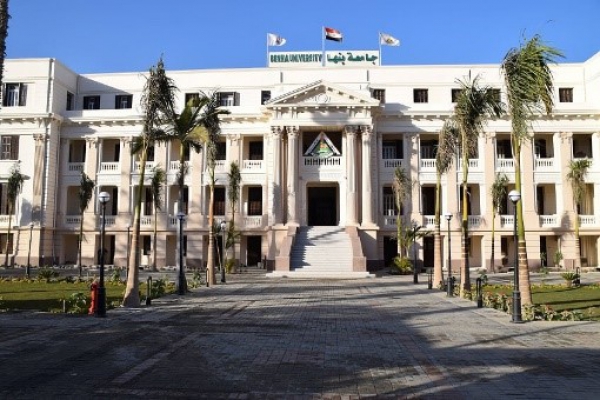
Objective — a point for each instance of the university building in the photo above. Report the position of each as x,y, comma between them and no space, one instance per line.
317,142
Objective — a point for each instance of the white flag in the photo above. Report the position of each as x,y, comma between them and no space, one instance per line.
275,40
388,40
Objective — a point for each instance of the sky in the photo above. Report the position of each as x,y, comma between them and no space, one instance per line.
91,36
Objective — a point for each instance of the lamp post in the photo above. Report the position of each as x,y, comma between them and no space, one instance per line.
415,272
449,285
28,267
181,289
223,226
514,197
103,198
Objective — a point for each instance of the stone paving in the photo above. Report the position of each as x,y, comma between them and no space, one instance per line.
258,338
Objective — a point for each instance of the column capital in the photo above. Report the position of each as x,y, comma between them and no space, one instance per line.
126,140
367,132
233,137
292,131
566,136
39,138
92,141
276,132
350,130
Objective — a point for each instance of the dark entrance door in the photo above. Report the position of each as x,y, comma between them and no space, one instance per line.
428,252
253,247
322,210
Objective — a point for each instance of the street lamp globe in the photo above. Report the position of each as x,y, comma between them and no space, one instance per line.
514,196
448,216
103,197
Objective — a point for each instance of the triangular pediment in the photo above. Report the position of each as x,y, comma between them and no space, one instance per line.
321,93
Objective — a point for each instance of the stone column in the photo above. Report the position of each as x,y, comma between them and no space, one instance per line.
351,175
367,190
292,175
276,179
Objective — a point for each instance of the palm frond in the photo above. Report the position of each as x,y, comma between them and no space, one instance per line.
159,177
86,191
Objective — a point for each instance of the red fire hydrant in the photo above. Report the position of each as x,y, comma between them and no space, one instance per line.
94,298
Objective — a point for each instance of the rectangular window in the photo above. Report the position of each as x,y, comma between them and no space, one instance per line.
389,204
565,95
3,237
15,94
150,153
3,199
147,245
454,94
9,147
191,97
123,101
378,94
77,150
228,99
70,101
185,197
392,150
420,95
265,95
91,102
255,150
221,151
219,204
148,207
496,95
255,201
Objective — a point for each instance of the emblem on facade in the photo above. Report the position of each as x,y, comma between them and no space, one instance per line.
322,147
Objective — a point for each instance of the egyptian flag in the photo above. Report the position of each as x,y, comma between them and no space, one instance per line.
333,34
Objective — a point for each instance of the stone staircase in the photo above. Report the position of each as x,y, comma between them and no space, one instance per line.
322,252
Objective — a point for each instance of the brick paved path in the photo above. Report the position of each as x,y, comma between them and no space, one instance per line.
257,338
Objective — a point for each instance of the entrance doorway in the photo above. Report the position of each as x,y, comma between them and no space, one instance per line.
428,259
253,249
322,205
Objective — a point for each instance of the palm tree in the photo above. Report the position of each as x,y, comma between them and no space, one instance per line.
474,106
86,191
529,89
233,194
578,170
156,187
14,186
444,156
401,185
498,194
4,17
211,120
157,94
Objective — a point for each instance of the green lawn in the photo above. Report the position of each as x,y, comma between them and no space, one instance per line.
585,299
42,296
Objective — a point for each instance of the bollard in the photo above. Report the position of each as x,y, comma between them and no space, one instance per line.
479,293
149,291
429,278
450,287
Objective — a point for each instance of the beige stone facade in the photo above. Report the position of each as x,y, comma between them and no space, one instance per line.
366,120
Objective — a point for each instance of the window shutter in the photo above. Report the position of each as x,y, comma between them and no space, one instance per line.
14,148
117,102
22,94
236,99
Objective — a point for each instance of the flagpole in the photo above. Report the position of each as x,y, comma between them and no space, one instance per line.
323,46
380,55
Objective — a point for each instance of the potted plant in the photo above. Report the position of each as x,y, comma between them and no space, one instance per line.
558,256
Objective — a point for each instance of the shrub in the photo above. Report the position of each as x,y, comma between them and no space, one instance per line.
47,274
197,279
401,266
569,277
115,275
76,303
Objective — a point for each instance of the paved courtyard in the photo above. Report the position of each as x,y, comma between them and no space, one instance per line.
258,338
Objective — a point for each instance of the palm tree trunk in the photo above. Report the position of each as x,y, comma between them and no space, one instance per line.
154,238
438,277
180,207
132,295
80,239
465,279
10,213
492,256
524,282
577,239
210,260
